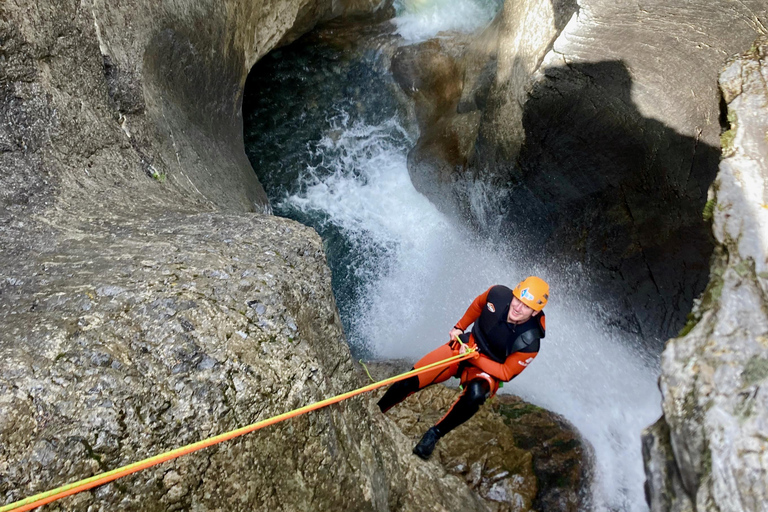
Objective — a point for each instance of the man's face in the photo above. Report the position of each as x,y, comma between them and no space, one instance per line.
519,312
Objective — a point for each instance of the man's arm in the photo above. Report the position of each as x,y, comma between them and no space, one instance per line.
512,366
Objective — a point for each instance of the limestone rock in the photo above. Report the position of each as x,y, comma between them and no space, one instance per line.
130,338
482,451
714,378
430,74
562,459
597,125
142,97
621,145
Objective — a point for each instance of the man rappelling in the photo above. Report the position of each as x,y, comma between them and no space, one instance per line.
508,325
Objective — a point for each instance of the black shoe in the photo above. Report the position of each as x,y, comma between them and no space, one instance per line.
427,444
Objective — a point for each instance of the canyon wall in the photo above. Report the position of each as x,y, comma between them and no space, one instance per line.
708,451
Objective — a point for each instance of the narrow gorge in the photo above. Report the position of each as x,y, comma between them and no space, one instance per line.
212,210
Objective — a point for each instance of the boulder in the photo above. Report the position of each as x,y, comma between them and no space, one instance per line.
130,338
708,452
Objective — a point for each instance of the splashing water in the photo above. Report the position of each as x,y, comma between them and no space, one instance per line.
418,271
419,20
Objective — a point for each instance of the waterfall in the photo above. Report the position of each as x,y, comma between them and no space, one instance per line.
419,20
404,272
428,269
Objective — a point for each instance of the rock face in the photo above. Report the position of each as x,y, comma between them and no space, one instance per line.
98,96
601,122
132,338
708,452
454,81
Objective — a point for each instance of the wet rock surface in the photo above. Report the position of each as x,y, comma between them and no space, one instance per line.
708,452
515,455
130,338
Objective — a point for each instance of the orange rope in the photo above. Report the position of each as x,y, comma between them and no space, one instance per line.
41,499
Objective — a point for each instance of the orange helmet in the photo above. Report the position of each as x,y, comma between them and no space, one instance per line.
533,292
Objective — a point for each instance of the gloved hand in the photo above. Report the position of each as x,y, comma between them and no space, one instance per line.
455,333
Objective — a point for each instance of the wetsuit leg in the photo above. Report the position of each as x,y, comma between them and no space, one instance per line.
403,389
474,395
398,392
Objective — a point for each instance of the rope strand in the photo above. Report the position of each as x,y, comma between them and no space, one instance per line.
44,498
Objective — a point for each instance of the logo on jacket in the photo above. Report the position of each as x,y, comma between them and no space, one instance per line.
526,294
526,362
491,307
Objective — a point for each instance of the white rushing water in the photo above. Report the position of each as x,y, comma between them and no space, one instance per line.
434,268
419,20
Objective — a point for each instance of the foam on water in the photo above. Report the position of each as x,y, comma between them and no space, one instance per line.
426,271
419,20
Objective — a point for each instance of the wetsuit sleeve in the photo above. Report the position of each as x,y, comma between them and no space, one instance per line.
473,311
511,368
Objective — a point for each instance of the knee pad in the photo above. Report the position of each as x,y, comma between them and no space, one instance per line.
477,391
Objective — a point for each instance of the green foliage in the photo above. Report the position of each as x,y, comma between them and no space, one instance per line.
726,141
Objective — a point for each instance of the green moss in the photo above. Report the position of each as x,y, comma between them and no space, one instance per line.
743,268
709,209
566,444
691,321
728,136
745,407
726,141
159,177
706,461
712,292
513,412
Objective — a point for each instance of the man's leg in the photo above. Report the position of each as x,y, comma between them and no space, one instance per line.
474,395
399,391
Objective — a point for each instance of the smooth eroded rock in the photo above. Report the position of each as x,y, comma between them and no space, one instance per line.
130,337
